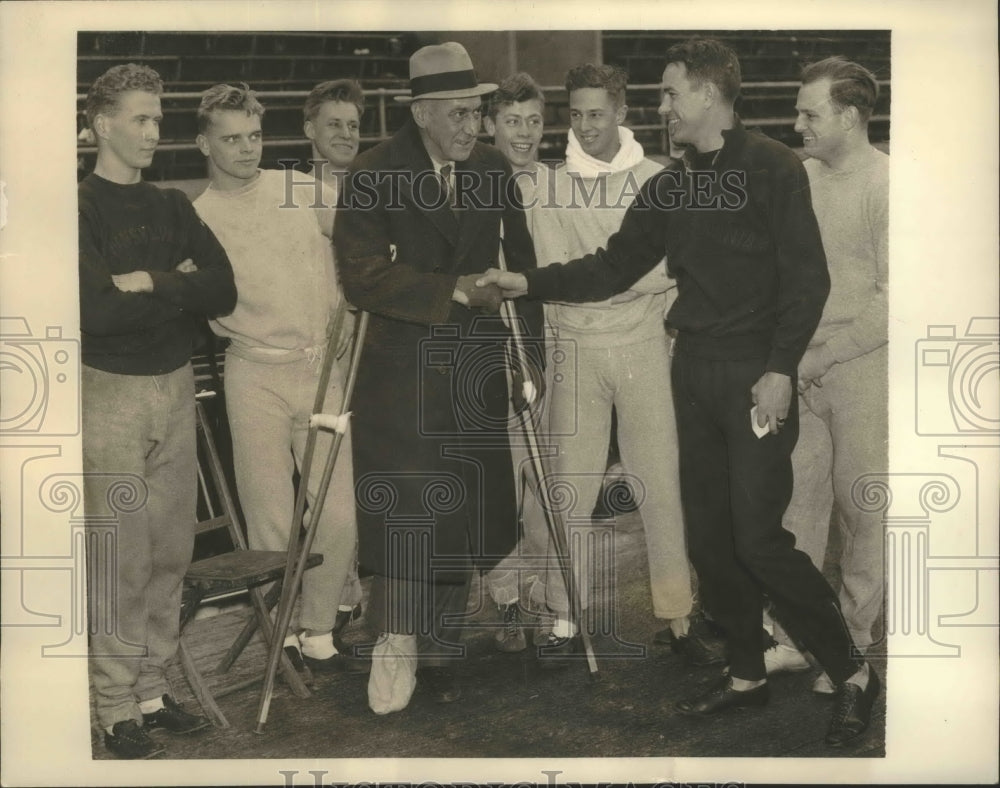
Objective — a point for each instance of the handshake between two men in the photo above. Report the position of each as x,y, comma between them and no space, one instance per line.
489,289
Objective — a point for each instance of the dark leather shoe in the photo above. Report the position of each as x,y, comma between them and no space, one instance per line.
345,617
441,683
722,697
174,719
295,657
853,711
559,652
130,741
698,651
663,637
699,646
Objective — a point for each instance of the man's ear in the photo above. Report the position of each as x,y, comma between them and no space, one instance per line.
419,112
309,128
711,93
202,142
620,114
100,126
490,126
849,118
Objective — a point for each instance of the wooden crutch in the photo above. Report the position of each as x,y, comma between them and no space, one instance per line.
553,517
297,557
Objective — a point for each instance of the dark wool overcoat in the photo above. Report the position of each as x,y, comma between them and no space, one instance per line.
432,462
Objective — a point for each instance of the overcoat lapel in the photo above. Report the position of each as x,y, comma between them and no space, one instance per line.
480,217
410,156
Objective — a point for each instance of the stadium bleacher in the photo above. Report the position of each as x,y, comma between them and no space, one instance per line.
283,66
771,62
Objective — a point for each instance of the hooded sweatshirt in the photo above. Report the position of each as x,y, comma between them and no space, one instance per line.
585,204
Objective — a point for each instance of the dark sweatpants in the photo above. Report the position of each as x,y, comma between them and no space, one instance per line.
734,490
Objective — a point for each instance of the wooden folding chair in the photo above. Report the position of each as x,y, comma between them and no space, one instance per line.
239,570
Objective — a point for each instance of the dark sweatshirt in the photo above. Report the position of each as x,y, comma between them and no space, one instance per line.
742,242
138,227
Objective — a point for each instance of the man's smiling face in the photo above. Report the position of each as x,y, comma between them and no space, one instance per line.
517,131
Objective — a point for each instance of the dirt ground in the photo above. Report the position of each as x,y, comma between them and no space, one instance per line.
511,708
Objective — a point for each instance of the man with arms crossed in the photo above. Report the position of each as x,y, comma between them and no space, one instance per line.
843,374
742,241
150,270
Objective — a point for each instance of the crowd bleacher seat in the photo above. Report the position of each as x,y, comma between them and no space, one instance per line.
766,57
282,66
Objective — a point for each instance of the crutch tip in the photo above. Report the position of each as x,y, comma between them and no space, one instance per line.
259,730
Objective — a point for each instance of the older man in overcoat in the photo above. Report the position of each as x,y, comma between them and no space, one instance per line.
420,215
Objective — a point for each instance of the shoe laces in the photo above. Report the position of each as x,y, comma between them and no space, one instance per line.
845,702
511,620
131,733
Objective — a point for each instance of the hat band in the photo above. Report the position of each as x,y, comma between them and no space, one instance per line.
449,80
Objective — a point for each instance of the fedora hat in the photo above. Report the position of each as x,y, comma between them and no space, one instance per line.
443,71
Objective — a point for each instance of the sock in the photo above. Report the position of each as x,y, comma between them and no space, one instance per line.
860,678
293,641
742,685
345,608
679,626
563,628
151,705
318,646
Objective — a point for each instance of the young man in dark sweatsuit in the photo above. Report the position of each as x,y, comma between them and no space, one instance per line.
742,242
149,270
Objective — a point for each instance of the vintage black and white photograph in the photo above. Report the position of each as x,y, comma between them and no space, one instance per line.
515,404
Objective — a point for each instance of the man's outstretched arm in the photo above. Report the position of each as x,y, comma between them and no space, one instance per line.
632,251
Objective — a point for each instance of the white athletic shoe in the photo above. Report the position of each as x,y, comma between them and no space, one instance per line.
784,659
823,685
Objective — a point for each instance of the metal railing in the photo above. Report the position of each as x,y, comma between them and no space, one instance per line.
382,96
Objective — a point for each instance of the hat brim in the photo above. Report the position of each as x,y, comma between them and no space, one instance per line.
480,90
